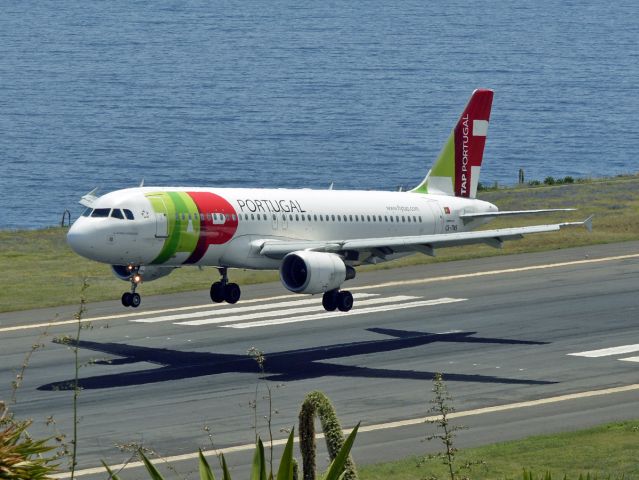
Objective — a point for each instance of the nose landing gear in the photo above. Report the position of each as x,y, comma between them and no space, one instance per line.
133,299
223,291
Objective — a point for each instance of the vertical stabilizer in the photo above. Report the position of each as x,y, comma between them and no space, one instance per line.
456,170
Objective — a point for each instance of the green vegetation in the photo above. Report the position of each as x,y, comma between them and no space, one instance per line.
607,451
318,404
39,269
260,465
21,457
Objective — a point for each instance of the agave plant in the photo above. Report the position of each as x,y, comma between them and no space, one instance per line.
21,456
286,470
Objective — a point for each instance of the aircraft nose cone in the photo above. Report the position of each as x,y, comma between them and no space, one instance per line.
78,238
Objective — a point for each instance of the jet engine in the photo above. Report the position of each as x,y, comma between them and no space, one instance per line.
314,272
147,273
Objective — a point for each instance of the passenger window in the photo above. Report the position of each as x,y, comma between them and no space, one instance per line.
357,218
101,212
303,217
297,217
315,217
117,213
252,217
403,219
274,217
409,219
368,218
386,218
87,212
233,217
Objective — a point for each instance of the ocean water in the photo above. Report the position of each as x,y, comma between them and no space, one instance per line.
302,94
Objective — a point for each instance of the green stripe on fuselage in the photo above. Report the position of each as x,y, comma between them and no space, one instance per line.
183,222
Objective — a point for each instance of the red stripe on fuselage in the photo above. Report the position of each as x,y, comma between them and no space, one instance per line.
211,233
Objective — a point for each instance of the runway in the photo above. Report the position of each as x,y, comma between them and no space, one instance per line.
503,330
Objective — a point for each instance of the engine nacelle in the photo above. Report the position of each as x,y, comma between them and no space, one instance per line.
314,272
148,273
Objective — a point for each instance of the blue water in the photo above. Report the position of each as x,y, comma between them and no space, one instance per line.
302,94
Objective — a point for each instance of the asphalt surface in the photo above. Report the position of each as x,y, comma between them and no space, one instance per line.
500,329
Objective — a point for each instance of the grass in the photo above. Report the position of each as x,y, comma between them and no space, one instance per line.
608,451
39,269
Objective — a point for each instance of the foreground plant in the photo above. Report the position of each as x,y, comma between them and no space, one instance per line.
286,470
21,456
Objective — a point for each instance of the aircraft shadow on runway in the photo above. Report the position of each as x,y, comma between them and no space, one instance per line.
288,365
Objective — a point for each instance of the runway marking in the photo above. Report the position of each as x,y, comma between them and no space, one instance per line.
366,428
366,287
630,359
236,310
283,313
607,352
355,311
497,272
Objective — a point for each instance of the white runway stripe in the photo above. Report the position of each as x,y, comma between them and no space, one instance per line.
630,359
291,311
355,311
236,310
606,352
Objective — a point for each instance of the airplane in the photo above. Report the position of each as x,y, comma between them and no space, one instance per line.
315,238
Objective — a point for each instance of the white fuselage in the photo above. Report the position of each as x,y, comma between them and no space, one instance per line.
223,227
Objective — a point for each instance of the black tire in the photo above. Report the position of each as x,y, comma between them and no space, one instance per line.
217,292
344,301
232,293
136,300
127,299
329,300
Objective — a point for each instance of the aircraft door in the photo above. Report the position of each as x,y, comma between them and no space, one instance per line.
274,222
438,218
161,222
284,222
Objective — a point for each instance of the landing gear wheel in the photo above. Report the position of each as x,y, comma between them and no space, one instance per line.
329,300
217,292
135,300
127,299
232,293
344,301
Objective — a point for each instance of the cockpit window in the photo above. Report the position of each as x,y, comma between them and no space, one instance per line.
87,212
101,212
117,213
128,214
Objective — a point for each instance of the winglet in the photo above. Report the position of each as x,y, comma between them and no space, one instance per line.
586,223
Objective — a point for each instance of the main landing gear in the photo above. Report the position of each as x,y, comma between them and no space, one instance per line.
223,291
336,299
132,299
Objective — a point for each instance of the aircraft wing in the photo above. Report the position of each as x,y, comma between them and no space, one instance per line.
466,217
427,244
